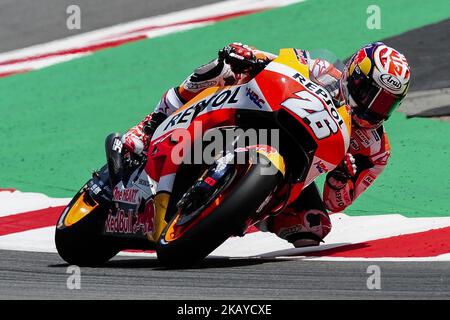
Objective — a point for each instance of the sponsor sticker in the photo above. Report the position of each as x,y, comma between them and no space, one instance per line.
125,195
301,56
321,167
376,135
121,222
354,145
200,85
127,222
184,118
254,97
368,180
390,81
365,140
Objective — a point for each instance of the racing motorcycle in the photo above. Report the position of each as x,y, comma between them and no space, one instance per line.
186,209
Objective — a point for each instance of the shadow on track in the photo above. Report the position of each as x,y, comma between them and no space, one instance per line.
299,253
214,262
152,263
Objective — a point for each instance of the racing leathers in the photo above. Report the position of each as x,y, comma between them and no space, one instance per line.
304,222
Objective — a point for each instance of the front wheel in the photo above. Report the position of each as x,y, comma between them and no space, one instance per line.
187,240
78,235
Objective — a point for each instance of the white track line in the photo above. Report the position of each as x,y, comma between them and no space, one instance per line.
19,202
37,240
149,28
442,257
346,230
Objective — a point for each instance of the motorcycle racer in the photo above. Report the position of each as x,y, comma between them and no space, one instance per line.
372,86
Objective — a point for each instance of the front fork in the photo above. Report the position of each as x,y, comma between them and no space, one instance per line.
160,202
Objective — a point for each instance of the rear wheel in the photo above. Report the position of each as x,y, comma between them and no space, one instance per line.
184,243
78,235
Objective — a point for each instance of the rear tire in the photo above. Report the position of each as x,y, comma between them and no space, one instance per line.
224,221
82,243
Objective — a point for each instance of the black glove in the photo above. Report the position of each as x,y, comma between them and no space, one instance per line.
151,125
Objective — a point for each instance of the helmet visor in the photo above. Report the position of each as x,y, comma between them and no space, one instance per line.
383,104
373,103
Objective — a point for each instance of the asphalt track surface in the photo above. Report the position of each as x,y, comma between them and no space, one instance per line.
27,275
43,276
428,55
29,22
